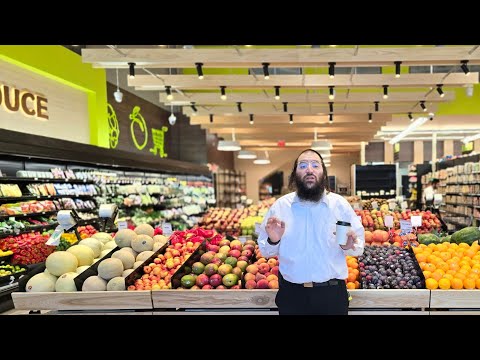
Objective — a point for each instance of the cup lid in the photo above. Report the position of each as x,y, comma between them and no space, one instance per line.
344,223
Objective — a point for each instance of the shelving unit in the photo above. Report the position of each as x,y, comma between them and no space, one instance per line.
374,180
230,186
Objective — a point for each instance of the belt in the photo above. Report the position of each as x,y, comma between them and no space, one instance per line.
333,282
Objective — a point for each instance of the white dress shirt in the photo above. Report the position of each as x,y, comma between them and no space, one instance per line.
308,250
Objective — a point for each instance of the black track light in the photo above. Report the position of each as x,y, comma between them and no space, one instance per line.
239,106
199,70
291,119
422,105
385,91
132,70
440,90
223,95
251,119
168,90
211,118
330,118
397,68
331,92
330,106
266,74
369,117
331,69
376,106
410,116
194,108
285,106
277,92
464,67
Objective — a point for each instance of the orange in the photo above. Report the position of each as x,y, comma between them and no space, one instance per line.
454,266
472,276
456,284
427,274
445,255
441,247
421,257
430,267
443,266
453,246
422,265
448,276
444,284
350,285
431,284
460,275
470,253
477,283
469,284
464,245
351,277
357,285
432,246
452,272
436,275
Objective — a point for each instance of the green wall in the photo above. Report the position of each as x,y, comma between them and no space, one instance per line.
60,64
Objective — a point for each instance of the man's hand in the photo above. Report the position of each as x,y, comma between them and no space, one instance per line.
351,241
275,228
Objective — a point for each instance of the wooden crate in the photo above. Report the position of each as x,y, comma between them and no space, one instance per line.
451,299
391,298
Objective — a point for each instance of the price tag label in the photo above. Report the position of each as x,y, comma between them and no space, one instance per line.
416,220
242,239
167,228
405,227
257,228
54,239
356,206
392,205
404,205
122,225
388,221
374,205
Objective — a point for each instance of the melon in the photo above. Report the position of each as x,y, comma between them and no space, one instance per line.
126,258
40,283
127,272
66,283
467,235
61,262
110,268
145,229
162,239
130,250
94,283
81,269
109,245
137,264
142,243
124,237
157,246
116,284
104,253
94,244
103,237
53,277
144,256
83,253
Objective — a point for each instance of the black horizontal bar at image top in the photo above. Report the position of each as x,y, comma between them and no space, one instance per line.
41,197
28,215
13,180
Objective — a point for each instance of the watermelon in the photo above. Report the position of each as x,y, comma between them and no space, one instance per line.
467,235
428,239
447,238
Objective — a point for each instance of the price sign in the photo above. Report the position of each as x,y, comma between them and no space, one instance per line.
54,239
122,225
405,227
374,204
388,221
356,206
392,205
416,221
167,228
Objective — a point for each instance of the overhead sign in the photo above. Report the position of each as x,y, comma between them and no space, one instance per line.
25,101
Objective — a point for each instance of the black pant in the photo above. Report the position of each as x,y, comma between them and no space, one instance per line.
294,299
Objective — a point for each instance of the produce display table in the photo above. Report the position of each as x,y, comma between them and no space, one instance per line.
419,302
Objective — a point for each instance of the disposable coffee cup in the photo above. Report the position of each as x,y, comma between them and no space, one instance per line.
341,232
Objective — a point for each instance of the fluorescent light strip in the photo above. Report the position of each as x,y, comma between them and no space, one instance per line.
419,122
471,138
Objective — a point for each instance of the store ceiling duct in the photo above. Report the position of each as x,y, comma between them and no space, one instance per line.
245,154
320,145
419,122
262,161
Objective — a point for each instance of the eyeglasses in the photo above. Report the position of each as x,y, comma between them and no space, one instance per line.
303,165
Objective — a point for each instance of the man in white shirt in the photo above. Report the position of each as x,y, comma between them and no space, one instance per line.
299,228
429,193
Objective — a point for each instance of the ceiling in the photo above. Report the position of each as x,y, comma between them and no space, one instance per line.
304,107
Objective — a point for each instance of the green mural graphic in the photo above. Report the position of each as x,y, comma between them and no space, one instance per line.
113,128
158,137
138,119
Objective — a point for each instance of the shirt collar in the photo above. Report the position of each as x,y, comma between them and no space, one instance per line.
324,198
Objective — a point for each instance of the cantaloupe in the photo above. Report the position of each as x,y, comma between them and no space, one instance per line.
61,262
94,283
145,229
104,253
137,264
81,269
142,243
103,237
124,237
83,253
157,246
126,257
127,272
144,256
66,283
130,250
40,283
160,239
109,245
110,268
53,277
94,244
116,284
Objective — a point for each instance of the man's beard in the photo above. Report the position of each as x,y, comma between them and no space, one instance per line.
310,194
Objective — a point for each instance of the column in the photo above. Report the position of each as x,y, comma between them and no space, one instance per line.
418,152
388,157
434,151
448,147
362,152
476,145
